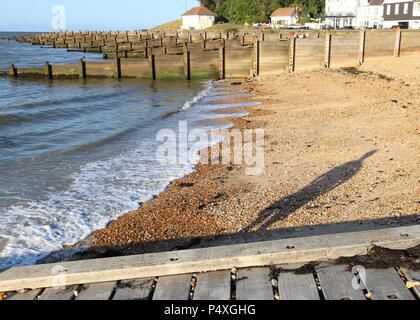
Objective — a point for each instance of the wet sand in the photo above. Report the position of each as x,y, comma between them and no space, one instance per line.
342,153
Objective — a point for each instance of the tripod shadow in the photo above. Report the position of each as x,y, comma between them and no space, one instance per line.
322,185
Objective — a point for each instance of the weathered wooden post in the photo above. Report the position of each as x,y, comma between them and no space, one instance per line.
190,38
203,44
222,60
117,67
13,71
292,53
262,36
397,45
256,60
152,63
48,70
82,74
187,62
327,57
362,46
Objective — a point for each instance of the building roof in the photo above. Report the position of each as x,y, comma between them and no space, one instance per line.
199,11
283,12
376,2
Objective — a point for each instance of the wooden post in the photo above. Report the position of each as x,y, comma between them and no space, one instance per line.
362,46
203,44
256,60
117,67
397,45
82,69
222,60
292,53
13,71
48,70
327,59
152,63
187,62
262,36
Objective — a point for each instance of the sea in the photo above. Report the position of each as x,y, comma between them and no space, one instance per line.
75,155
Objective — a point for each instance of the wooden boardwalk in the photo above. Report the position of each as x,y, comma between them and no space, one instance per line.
328,282
257,276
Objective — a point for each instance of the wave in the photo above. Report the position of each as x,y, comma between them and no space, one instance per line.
101,192
59,102
202,94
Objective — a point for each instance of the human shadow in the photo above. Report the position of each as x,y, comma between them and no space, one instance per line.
322,185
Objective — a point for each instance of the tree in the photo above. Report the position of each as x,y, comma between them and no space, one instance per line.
241,11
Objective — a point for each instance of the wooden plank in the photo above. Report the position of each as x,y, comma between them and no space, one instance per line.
58,294
414,277
327,52
254,284
362,46
139,289
213,286
299,250
397,44
337,283
292,54
222,60
97,291
386,284
297,286
173,288
25,296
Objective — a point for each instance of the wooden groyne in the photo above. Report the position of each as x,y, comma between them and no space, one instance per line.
214,55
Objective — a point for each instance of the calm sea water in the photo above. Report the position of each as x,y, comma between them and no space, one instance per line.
75,155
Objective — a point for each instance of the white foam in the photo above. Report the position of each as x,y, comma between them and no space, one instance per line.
101,192
208,86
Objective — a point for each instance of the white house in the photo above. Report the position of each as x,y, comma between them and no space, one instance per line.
198,18
341,13
285,16
370,14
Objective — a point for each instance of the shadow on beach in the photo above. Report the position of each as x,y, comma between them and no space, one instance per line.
258,230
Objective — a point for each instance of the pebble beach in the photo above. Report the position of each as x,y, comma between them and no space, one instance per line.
341,152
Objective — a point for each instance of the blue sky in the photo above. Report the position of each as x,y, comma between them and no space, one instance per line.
30,15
